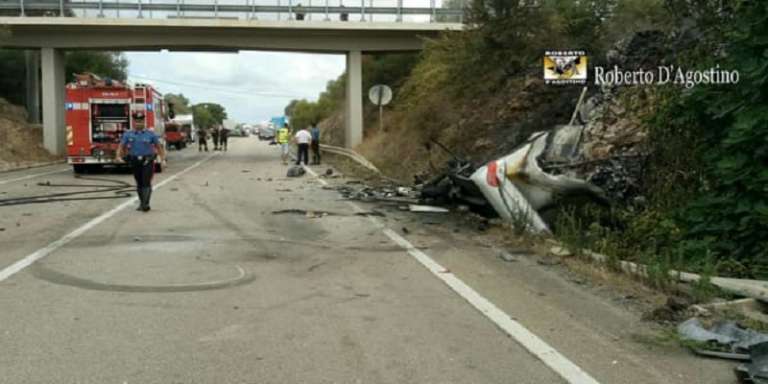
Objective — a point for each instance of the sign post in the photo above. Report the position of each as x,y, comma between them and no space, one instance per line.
380,95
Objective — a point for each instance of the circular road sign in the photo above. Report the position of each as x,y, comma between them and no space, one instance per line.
380,94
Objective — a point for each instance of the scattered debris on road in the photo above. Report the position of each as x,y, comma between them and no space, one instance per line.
295,171
560,251
508,257
371,213
729,340
317,214
755,372
427,209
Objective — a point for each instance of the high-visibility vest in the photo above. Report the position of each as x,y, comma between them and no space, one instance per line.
283,135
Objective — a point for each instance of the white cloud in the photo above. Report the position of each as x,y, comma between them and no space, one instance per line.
252,86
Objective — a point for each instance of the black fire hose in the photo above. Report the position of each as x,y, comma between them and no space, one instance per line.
119,188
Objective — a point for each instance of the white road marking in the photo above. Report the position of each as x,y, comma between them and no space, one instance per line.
27,177
315,175
567,369
50,248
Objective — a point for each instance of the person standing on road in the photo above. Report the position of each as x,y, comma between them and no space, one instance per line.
142,147
215,135
283,138
223,137
303,138
315,146
202,139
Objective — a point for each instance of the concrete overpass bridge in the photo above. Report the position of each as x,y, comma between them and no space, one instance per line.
122,26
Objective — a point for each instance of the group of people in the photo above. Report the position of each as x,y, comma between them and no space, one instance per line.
142,149
305,139
220,136
300,13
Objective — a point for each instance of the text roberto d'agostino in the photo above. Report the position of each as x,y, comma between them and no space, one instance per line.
669,74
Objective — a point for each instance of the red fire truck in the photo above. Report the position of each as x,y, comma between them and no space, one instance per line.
99,111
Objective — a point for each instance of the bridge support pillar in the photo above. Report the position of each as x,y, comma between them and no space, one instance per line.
32,100
52,65
354,104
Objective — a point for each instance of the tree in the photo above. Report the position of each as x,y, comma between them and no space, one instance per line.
104,64
13,69
180,103
208,114
290,107
202,117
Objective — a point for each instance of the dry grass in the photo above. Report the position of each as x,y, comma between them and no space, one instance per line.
20,142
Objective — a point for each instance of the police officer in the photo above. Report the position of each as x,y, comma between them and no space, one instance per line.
143,147
223,138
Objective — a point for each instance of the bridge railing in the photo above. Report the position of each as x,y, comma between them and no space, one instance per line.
399,11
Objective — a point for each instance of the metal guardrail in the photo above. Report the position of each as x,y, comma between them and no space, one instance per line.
351,154
324,10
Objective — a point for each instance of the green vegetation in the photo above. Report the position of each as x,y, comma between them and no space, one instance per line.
180,103
377,69
724,216
705,181
105,64
207,115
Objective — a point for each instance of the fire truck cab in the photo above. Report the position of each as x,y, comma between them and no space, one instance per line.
99,111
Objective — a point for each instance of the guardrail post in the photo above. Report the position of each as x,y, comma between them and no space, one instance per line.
370,14
400,11
61,8
327,18
178,9
433,10
150,9
141,16
278,10
216,9
362,10
118,7
101,8
309,10
21,5
290,10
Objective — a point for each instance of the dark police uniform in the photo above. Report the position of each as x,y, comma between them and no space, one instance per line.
141,157
223,137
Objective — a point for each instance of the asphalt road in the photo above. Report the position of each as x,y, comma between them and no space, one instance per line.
214,286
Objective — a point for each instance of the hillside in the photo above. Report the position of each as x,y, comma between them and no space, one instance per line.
679,194
20,142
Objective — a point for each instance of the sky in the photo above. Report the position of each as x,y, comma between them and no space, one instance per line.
252,86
